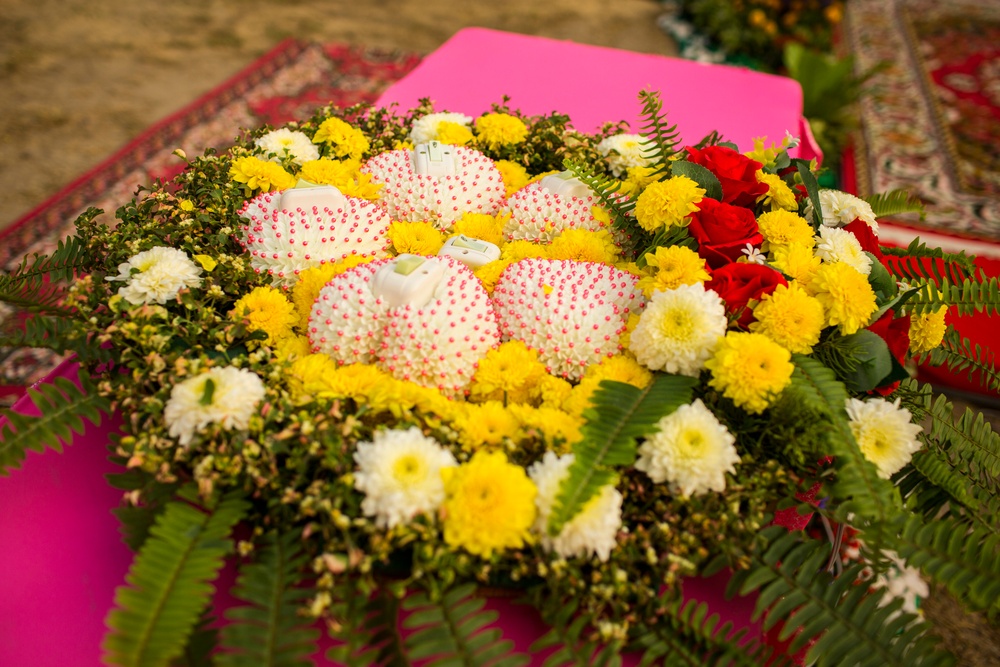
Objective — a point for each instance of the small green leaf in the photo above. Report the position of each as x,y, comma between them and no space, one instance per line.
700,175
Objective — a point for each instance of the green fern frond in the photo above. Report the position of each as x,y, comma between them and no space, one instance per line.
662,137
858,487
64,409
566,635
169,582
269,631
620,414
967,297
960,354
34,285
930,485
843,617
918,263
58,333
607,190
366,625
895,202
453,631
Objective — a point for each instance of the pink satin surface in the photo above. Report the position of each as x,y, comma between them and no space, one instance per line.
594,85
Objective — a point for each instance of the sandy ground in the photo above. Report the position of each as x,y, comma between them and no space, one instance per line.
81,78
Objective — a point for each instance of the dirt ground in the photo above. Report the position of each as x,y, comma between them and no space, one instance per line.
81,78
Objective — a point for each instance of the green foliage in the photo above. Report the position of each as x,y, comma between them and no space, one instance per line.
366,624
918,263
620,414
968,296
33,286
895,202
607,190
843,617
169,582
54,332
64,409
960,354
567,626
663,138
269,632
700,175
931,485
453,630
812,189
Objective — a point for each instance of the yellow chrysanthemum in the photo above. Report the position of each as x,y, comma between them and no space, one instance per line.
507,374
927,330
293,347
620,368
418,238
313,279
455,134
343,139
668,203
266,309
309,376
260,175
796,261
630,325
489,505
514,175
638,179
762,153
345,175
783,228
582,245
515,251
674,266
500,129
489,274
579,396
485,425
400,397
556,427
847,298
482,226
778,196
789,317
750,369
356,380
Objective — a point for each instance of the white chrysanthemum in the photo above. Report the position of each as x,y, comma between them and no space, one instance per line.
593,530
400,474
841,208
475,187
283,241
538,214
679,330
885,432
426,127
278,144
839,245
691,451
571,313
156,275
624,151
227,396
438,344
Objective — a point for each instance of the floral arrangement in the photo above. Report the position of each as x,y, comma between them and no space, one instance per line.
387,361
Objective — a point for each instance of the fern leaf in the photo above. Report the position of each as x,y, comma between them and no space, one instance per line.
960,354
169,583
56,332
843,619
64,409
620,415
858,487
607,190
937,484
453,631
367,627
662,137
68,258
969,296
566,635
269,632
918,263
895,202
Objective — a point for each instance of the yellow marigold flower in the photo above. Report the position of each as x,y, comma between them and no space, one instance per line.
515,251
556,427
309,376
638,179
489,505
790,317
257,174
778,196
750,369
344,139
489,274
483,227
674,266
782,228
186,205
313,279
585,246
507,374
485,425
500,129
455,134
847,298
400,398
579,397
330,172
668,203
266,309
293,347
418,238
514,175
796,261
927,330
552,391
620,368
356,380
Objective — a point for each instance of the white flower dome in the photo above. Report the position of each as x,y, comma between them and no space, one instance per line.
543,210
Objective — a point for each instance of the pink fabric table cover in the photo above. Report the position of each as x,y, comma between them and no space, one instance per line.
593,85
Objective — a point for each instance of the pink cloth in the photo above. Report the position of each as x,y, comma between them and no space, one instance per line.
594,85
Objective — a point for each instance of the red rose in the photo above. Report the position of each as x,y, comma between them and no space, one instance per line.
723,231
739,283
736,172
865,236
895,331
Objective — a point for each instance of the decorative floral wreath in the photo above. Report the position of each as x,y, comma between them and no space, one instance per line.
419,354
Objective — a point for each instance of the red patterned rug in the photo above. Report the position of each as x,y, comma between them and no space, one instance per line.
289,82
